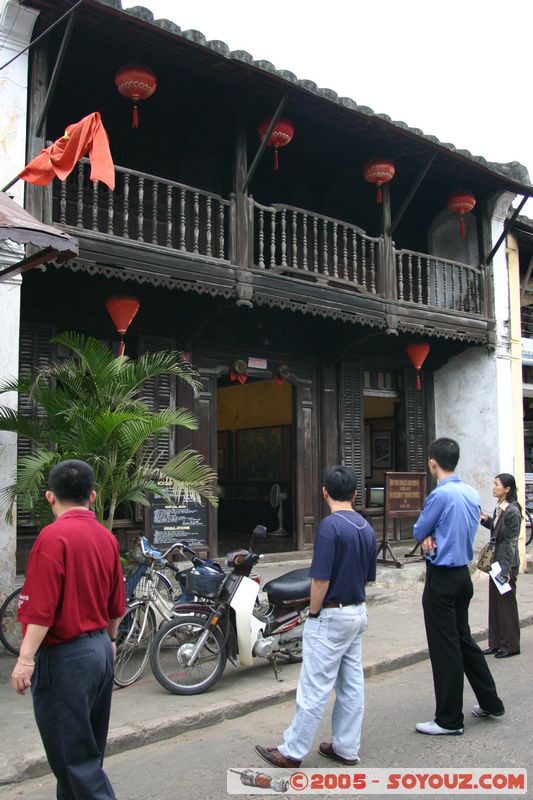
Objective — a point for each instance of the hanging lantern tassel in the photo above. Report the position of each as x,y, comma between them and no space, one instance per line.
135,118
379,171
417,355
122,311
276,158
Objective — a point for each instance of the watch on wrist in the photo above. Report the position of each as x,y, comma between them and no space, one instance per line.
315,615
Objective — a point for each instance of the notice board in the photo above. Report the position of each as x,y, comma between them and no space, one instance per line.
405,493
169,521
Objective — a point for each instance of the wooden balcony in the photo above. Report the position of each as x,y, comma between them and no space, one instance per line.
283,241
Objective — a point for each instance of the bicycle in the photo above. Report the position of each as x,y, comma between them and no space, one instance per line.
149,604
10,629
529,526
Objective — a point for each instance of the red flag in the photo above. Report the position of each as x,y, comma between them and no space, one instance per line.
86,136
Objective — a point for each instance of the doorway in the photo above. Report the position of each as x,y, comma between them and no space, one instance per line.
255,461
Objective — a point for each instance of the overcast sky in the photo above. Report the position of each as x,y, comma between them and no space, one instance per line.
460,70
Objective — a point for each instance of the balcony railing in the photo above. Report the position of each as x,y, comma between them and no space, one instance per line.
283,239
526,317
440,283
288,239
147,209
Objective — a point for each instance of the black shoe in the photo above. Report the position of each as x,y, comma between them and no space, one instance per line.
491,651
505,654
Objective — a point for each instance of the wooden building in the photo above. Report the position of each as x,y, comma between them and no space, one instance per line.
299,273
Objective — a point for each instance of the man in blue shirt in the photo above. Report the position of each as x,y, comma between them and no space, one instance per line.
344,560
446,530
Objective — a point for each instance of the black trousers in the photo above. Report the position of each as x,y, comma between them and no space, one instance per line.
71,688
453,652
504,623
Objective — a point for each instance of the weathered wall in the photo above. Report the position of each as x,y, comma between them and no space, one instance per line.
16,24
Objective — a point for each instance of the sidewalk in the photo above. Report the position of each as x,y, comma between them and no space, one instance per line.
145,713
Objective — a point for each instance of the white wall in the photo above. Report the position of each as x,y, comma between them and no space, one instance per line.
16,24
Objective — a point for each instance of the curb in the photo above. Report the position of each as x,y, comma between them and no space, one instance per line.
129,737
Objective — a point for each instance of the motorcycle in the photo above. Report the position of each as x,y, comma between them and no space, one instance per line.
230,619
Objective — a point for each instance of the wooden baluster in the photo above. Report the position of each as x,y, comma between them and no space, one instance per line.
444,284
155,198
335,251
283,238
410,277
477,293
325,270
354,257
364,277
305,266
94,206
461,298
399,261
196,228
208,250
79,209
126,207
272,238
453,302
294,220
315,244
345,253
437,287
63,202
169,215
140,212
183,245
110,211
261,238
220,229
373,267
419,273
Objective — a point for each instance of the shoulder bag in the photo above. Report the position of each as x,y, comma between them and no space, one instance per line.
486,556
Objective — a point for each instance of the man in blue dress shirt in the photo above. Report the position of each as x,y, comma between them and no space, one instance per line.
446,530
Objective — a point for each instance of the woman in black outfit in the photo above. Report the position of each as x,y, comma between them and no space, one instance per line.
504,525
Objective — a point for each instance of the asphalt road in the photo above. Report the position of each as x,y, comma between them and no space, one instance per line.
194,765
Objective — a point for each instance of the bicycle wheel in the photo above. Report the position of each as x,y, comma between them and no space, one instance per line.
136,630
529,527
10,629
171,650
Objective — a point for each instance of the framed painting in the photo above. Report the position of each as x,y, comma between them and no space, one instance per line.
259,454
382,449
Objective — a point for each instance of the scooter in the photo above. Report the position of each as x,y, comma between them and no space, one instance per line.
231,619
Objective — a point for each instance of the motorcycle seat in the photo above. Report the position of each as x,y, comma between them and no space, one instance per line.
291,586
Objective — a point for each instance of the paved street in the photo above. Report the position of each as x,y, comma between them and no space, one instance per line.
194,764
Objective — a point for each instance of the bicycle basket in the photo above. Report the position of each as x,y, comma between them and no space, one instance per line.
204,581
133,577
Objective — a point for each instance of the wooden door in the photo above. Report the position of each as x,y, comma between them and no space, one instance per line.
308,484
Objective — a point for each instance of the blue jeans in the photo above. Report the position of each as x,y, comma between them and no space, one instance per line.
331,659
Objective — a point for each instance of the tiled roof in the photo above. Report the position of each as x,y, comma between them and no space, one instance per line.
512,170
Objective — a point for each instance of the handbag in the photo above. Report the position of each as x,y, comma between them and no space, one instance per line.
486,556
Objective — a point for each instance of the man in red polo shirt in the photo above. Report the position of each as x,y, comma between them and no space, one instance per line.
70,606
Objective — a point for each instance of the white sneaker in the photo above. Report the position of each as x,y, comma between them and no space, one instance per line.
432,729
477,711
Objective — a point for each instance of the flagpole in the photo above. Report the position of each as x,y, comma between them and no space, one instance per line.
10,184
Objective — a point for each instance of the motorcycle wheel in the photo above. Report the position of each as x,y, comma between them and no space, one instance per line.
171,648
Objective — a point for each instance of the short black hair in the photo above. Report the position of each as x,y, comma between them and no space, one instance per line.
340,483
445,452
72,481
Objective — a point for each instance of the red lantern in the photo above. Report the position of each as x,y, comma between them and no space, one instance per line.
282,134
379,171
122,311
417,355
137,83
461,203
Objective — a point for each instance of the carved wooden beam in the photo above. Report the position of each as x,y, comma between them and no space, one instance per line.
411,193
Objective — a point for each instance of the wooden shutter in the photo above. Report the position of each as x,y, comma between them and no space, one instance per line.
414,404
307,457
351,418
159,393
35,353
